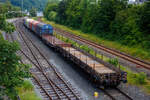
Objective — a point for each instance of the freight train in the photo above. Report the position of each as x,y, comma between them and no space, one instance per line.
102,73
38,27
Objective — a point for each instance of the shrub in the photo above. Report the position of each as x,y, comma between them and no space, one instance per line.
141,78
114,62
137,78
27,85
26,92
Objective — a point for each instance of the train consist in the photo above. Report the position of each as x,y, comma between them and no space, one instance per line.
100,72
38,27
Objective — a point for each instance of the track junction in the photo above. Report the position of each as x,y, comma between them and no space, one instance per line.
52,85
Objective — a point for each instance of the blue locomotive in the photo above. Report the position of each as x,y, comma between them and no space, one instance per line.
38,27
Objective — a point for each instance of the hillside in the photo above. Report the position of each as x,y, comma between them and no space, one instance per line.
28,4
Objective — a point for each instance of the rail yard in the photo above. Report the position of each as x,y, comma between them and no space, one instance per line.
111,75
52,88
51,82
74,50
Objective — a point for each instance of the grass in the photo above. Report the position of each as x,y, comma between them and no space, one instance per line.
137,52
26,91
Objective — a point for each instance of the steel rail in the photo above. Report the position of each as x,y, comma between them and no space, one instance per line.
55,71
101,89
12,39
50,65
136,61
119,92
127,96
40,68
112,97
41,86
109,95
32,73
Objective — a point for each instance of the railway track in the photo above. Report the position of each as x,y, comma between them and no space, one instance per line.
136,61
111,96
51,83
44,87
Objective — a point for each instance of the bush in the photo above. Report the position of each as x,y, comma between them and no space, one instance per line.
52,15
26,92
137,78
141,78
27,85
85,48
114,62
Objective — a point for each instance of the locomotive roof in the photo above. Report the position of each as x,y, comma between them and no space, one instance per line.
40,24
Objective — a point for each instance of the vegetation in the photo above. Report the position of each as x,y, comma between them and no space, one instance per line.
33,12
28,4
138,79
134,51
114,21
5,26
26,91
9,11
12,72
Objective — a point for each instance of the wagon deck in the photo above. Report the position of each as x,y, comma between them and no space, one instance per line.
98,71
54,41
98,67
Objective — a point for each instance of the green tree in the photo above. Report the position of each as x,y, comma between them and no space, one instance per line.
12,72
115,20
75,11
33,12
145,17
2,22
89,18
10,28
5,26
61,15
28,4
3,8
126,25
51,7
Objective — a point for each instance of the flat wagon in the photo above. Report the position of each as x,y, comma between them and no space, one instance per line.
102,73
38,27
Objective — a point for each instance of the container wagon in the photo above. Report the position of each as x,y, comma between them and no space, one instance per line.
38,27
102,73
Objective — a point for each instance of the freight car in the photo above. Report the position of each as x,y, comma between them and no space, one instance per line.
38,27
102,73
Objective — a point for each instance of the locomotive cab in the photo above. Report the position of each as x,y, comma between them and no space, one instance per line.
38,27
47,29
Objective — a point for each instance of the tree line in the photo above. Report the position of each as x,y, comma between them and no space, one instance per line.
28,4
10,11
115,20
